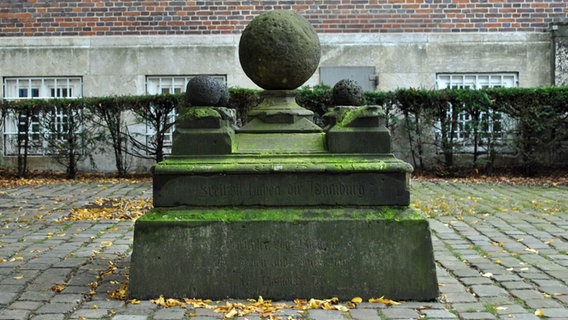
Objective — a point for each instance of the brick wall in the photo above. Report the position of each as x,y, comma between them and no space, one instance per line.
106,17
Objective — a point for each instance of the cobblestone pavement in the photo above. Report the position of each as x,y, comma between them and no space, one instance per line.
501,251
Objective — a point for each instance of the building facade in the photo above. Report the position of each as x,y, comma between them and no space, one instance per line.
102,48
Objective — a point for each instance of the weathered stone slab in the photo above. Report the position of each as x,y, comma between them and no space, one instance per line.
283,254
278,143
358,140
273,180
202,141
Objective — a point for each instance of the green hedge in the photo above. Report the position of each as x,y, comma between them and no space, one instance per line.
540,117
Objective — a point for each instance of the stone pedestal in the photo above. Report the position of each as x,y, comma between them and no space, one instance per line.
283,226
283,253
280,207
282,180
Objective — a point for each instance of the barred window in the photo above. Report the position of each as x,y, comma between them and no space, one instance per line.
491,124
37,88
477,81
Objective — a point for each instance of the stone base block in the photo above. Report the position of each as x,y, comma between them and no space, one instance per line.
358,140
282,180
283,254
202,141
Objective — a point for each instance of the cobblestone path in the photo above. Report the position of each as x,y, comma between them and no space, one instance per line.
501,252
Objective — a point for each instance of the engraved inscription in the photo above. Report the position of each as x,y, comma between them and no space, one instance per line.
290,190
339,189
282,189
280,255
264,190
219,190
287,190
256,245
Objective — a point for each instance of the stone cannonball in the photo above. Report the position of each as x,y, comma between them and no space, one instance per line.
347,92
206,91
279,50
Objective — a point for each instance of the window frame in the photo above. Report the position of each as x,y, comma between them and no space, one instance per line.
24,88
476,81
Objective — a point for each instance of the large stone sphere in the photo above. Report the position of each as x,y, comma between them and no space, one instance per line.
279,50
206,91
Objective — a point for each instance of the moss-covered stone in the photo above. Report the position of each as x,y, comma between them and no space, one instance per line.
347,92
199,117
218,253
242,214
206,91
279,50
266,144
287,162
203,141
367,116
341,139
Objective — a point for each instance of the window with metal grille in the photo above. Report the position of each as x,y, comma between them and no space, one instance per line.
491,123
15,123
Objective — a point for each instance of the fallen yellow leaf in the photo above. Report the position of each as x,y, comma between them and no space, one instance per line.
539,313
357,300
59,287
174,303
384,301
119,293
160,301
342,308
231,313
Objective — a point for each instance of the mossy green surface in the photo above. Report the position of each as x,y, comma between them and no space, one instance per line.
283,253
351,115
197,113
279,49
278,143
283,163
282,214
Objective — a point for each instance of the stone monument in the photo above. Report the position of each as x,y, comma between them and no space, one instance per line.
280,207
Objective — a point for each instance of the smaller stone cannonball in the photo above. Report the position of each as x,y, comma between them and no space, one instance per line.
206,91
279,50
347,92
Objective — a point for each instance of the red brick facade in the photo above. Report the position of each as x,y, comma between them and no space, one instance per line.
106,17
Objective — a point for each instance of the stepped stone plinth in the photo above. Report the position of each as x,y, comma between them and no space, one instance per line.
280,207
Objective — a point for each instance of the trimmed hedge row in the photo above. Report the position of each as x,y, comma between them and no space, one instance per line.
538,117
438,118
